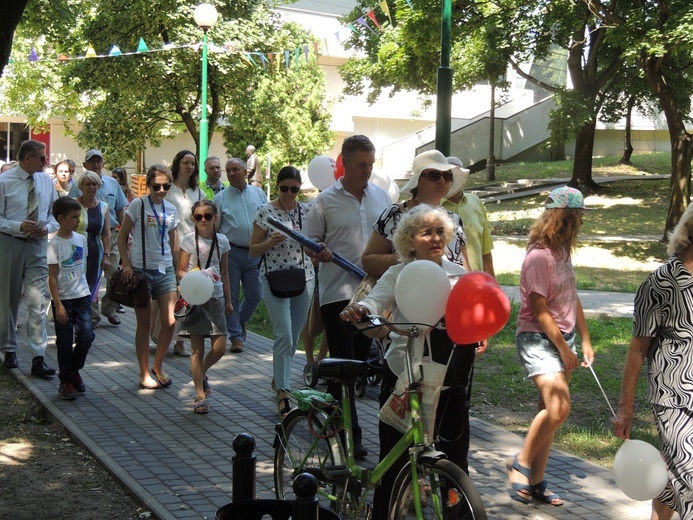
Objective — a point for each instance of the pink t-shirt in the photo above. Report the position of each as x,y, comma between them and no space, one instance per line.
554,278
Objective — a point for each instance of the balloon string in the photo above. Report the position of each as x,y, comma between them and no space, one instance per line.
599,385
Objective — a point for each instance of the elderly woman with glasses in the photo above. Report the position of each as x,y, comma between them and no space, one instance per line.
288,315
94,225
158,241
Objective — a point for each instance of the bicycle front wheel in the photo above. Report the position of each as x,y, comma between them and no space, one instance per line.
298,450
446,492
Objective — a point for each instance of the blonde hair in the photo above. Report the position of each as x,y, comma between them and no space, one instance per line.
680,237
91,176
412,221
556,229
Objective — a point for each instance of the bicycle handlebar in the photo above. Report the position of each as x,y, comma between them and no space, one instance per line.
378,321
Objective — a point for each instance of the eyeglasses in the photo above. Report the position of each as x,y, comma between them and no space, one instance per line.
157,187
294,189
43,158
207,216
435,175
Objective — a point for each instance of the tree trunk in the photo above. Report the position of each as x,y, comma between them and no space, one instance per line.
11,13
681,146
582,164
628,146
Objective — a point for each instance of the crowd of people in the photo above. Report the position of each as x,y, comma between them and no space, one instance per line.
224,228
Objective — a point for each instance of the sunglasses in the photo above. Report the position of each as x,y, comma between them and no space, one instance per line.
207,216
294,189
43,158
157,187
435,175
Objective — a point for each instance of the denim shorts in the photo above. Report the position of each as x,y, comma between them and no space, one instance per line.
540,356
159,283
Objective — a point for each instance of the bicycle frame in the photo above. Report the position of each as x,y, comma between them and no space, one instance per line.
413,439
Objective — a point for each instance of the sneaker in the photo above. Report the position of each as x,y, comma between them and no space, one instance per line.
78,383
236,346
67,392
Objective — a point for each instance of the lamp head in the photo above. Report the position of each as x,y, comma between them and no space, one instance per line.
206,16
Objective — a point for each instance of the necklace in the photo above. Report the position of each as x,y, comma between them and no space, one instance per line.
290,213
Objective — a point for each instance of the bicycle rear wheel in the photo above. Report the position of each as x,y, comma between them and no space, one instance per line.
443,486
297,451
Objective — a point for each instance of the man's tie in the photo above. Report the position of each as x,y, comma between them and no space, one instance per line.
32,200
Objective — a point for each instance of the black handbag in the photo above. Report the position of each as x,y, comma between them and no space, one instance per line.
135,292
287,283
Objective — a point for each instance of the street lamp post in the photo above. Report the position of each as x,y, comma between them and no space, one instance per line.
205,17
444,86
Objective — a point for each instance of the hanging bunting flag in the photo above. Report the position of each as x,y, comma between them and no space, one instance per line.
365,24
33,55
249,56
336,35
297,53
142,47
62,57
286,59
271,58
386,9
410,5
305,52
91,53
327,49
115,51
315,48
263,60
351,26
371,15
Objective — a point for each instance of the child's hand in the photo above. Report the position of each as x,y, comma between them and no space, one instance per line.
60,315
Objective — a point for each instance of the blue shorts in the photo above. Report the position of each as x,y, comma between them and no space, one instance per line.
159,283
540,356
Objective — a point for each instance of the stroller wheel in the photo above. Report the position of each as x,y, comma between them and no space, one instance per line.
375,379
311,375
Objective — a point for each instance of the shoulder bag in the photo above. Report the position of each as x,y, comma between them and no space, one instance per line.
135,292
183,311
287,283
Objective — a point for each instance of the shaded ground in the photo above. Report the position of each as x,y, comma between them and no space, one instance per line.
44,474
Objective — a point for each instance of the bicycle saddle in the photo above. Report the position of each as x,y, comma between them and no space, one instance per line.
346,370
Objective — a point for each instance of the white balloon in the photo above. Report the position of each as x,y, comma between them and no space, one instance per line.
196,287
421,292
321,171
639,470
393,191
380,179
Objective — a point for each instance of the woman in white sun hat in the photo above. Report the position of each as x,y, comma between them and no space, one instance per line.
433,179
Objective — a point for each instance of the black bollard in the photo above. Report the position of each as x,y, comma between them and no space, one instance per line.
305,505
243,462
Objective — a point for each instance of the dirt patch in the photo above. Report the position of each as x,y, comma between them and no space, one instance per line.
44,473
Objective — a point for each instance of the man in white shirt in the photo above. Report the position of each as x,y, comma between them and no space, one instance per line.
342,218
111,193
26,198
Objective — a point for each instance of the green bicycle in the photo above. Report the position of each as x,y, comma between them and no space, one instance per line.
316,438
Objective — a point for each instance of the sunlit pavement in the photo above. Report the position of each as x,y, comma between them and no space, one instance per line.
178,463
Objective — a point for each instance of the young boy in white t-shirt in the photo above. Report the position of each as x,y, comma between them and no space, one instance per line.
67,281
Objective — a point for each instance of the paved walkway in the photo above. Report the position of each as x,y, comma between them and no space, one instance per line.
179,463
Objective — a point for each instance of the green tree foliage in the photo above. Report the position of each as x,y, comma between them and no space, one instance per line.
130,102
